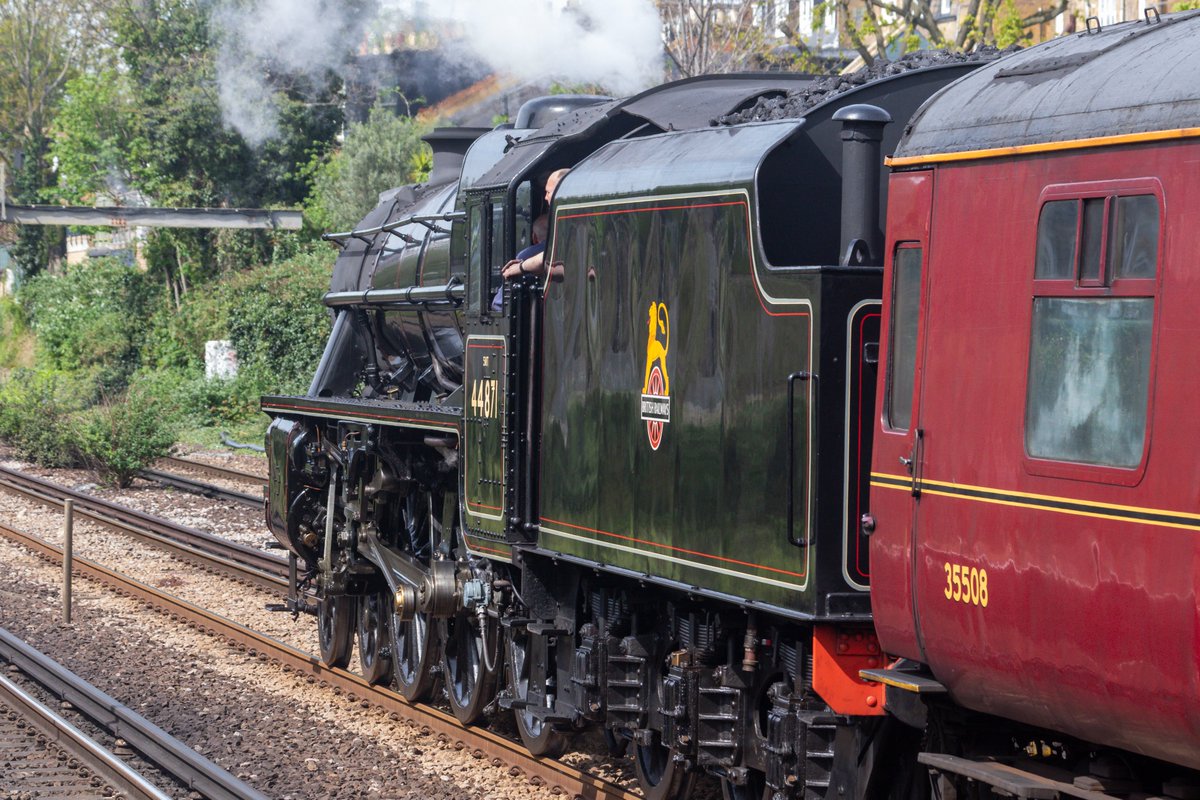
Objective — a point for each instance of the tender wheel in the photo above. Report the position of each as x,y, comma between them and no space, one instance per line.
335,630
470,684
374,641
413,657
540,738
659,774
617,745
755,788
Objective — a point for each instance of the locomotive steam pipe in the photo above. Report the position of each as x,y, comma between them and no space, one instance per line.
862,135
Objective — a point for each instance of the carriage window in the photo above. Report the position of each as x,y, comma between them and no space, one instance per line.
1088,378
1091,235
1133,245
1057,232
1087,400
902,347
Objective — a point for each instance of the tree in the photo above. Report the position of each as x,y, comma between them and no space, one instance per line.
713,36
870,26
157,121
384,152
43,44
90,137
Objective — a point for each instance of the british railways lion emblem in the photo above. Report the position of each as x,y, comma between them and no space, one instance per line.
656,387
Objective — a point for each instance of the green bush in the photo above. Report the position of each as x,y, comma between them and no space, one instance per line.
16,342
176,335
91,316
35,417
118,438
193,401
382,153
277,322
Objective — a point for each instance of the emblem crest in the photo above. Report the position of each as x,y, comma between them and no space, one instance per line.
656,386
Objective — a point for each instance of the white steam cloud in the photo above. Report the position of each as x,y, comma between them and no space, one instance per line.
300,38
615,44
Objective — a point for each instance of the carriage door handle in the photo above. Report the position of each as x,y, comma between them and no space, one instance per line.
913,464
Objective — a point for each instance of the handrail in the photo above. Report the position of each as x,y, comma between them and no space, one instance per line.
449,293
427,220
791,439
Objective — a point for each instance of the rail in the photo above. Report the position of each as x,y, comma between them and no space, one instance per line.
188,767
215,471
237,560
446,294
428,220
479,742
194,486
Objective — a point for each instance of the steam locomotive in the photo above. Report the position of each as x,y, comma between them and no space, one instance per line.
763,489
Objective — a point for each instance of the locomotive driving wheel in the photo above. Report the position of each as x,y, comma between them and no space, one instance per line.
469,656
540,737
414,644
413,656
374,641
335,630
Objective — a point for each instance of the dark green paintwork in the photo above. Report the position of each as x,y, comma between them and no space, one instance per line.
708,508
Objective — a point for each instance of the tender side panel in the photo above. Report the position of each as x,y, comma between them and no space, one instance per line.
665,397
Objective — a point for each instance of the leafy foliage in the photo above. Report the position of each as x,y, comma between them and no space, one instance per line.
90,317
384,152
16,342
276,320
1009,29
119,437
90,135
35,410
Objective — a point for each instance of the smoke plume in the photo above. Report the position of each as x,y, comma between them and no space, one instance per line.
614,44
265,43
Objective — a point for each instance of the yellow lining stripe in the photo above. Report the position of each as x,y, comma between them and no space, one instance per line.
1045,147
926,483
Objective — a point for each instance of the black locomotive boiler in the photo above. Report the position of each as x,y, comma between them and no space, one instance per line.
626,494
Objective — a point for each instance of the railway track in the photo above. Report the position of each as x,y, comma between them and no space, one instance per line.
213,552
194,486
46,753
483,744
215,471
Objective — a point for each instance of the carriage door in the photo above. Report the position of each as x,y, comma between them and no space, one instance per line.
485,384
897,457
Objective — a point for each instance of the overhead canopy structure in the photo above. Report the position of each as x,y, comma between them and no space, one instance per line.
126,216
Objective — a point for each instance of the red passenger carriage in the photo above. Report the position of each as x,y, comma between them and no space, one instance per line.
1035,482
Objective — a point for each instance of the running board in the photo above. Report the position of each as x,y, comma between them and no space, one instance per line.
1009,780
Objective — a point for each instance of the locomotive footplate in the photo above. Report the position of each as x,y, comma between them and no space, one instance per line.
379,412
